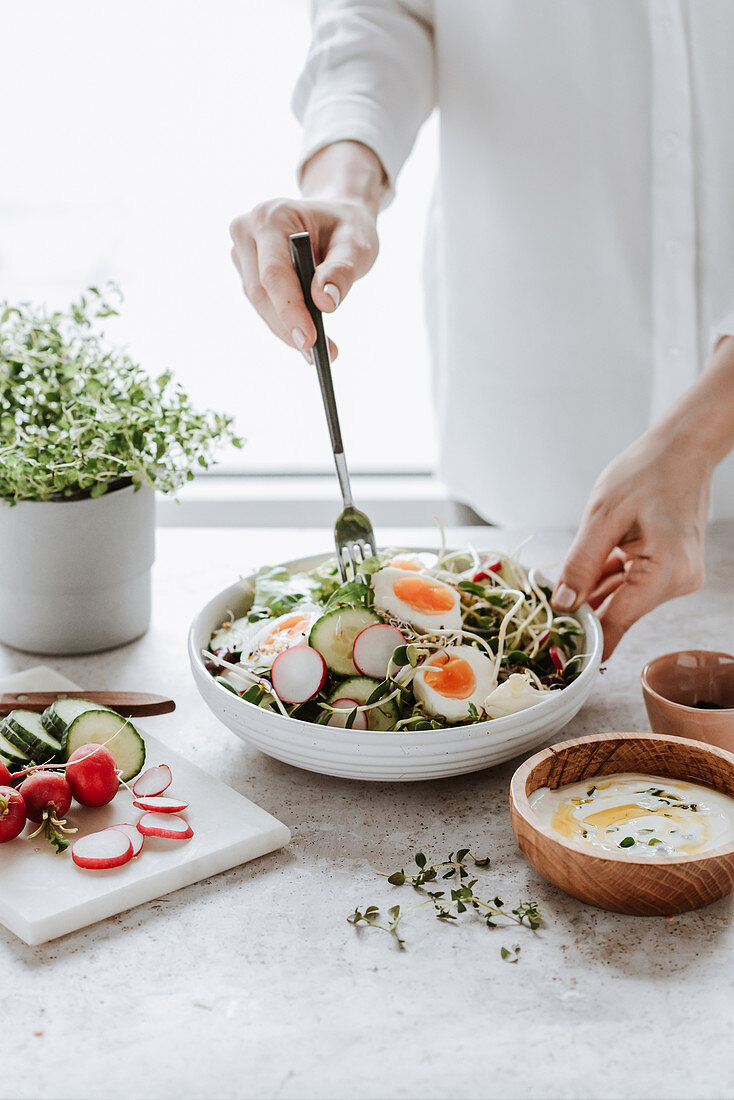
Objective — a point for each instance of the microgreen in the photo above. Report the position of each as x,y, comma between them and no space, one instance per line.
79,417
449,904
627,842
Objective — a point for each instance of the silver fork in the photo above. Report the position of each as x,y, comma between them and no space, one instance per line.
353,533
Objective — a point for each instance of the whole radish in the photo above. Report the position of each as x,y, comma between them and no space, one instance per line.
47,798
12,814
5,776
92,774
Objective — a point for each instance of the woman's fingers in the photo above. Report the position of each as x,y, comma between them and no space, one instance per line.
278,278
348,256
642,590
604,589
600,532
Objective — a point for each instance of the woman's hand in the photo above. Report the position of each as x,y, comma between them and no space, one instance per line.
342,185
641,539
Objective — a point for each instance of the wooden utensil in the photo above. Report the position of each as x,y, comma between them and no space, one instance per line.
131,704
624,884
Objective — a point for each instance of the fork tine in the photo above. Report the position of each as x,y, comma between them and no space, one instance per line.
350,551
340,562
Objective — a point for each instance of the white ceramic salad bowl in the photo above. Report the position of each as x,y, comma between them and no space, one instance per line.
390,757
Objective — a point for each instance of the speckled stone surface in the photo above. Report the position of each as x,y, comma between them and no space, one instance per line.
252,984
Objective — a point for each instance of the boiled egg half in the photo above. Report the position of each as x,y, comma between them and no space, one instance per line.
452,680
280,634
416,598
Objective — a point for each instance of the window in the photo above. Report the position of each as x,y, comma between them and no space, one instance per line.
137,131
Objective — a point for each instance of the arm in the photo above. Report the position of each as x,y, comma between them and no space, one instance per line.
366,88
641,539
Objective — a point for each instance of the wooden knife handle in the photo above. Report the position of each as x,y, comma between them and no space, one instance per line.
130,704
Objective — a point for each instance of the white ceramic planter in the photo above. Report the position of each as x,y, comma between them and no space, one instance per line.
75,575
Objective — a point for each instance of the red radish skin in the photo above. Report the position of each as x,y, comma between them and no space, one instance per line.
47,798
347,706
483,574
5,776
102,851
92,774
12,814
162,804
298,674
374,647
166,826
45,791
153,781
558,657
543,637
131,832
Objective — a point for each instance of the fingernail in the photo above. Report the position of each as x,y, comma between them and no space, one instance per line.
333,292
306,353
299,338
564,598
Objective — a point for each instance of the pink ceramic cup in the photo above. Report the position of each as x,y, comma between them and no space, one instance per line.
676,688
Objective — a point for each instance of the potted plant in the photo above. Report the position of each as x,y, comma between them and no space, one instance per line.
86,437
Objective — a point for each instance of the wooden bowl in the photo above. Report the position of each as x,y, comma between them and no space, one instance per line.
623,883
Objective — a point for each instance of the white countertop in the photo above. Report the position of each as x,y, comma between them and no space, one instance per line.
253,984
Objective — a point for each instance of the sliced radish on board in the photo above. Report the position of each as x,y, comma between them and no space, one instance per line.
131,832
347,706
165,825
100,851
298,674
558,657
374,647
153,781
162,803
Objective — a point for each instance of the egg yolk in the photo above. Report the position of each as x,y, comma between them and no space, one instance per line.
450,676
422,594
286,631
401,563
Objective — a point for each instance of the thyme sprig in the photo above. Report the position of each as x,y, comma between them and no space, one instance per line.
448,904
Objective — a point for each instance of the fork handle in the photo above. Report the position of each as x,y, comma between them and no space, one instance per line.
303,262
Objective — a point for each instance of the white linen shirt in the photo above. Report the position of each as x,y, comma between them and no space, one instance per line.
582,260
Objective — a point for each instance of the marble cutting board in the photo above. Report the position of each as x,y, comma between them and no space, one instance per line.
44,895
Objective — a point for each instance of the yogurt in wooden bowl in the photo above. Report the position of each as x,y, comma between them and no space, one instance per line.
581,811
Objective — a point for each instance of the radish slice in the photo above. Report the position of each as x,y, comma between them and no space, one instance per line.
100,851
543,637
558,657
153,781
347,705
374,647
298,674
165,825
162,804
131,832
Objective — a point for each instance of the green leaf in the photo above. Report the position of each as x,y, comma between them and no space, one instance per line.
627,842
397,878
420,859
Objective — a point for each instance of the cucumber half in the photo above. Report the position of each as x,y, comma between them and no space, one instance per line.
76,722
360,688
15,759
24,729
333,636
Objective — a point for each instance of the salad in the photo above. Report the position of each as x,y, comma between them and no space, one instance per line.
418,641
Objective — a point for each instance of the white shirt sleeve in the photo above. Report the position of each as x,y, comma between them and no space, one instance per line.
723,327
368,77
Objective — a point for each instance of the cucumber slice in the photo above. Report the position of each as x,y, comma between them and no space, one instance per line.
76,722
10,752
333,636
360,688
25,730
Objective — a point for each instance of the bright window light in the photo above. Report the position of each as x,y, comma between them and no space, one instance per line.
137,131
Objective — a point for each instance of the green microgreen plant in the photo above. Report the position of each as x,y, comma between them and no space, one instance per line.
450,904
79,417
